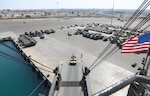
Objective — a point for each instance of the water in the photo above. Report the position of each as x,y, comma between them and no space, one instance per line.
16,77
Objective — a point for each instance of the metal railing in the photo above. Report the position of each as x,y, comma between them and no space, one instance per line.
121,84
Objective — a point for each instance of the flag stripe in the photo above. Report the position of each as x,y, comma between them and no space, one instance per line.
132,46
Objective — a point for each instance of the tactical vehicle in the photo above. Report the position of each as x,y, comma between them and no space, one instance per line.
27,41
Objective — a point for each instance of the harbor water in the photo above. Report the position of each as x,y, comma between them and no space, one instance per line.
17,77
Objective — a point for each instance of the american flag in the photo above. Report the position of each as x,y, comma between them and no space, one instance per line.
132,46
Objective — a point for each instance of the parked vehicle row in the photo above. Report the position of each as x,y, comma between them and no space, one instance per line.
39,33
98,36
94,36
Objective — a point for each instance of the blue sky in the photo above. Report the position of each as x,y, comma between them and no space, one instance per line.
52,4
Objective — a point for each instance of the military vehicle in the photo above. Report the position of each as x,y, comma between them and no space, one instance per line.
52,30
91,35
42,36
105,38
49,31
26,41
73,60
113,39
84,33
98,36
69,34
78,32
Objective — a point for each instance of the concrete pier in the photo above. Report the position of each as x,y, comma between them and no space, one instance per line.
57,48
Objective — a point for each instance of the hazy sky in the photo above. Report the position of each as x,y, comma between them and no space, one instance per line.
52,4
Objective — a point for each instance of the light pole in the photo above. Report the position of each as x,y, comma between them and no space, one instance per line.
57,11
112,12
57,6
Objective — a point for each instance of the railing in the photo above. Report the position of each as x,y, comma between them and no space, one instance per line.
121,84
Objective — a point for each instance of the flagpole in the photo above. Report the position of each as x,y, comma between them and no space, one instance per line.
148,63
147,67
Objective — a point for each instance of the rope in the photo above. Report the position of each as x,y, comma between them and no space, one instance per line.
145,20
146,27
138,13
135,13
101,54
102,60
36,88
108,55
41,64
